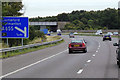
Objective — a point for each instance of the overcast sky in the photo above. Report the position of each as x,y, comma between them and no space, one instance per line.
43,8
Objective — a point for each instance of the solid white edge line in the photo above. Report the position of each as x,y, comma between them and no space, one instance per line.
31,64
80,71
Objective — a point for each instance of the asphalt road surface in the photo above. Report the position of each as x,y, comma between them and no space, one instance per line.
56,62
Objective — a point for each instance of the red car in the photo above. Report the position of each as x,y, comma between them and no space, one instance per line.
77,45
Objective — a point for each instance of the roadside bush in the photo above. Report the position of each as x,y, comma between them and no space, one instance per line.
35,33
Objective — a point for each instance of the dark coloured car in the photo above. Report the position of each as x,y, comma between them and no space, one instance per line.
71,35
77,45
107,37
59,33
118,52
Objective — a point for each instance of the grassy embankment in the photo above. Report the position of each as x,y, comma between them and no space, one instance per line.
18,52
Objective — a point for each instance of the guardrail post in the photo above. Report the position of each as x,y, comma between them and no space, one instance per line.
42,40
5,53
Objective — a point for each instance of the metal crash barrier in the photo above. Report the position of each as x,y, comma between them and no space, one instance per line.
27,46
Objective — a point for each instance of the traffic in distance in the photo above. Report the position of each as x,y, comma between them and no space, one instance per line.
49,43
90,55
79,44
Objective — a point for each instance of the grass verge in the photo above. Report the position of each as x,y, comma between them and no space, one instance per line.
91,35
23,51
97,35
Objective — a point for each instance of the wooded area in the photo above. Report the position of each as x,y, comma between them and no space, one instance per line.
86,20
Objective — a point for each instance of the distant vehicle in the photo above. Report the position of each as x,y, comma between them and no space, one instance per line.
48,33
110,33
51,32
107,37
99,32
75,33
115,33
118,52
59,32
77,44
71,35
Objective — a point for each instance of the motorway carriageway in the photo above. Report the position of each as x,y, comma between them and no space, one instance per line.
56,62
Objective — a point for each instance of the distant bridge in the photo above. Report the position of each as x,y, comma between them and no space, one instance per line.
43,23
53,25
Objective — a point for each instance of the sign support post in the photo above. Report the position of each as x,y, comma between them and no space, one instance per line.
22,41
7,42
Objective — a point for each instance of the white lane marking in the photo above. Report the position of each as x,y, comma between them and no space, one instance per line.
99,45
96,51
86,64
80,71
89,61
94,55
31,64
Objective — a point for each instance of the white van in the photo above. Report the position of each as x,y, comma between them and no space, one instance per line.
99,32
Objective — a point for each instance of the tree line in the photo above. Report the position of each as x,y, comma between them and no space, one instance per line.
86,20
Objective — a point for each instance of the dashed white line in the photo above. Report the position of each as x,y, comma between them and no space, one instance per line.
89,61
94,55
96,51
99,45
31,64
80,71
86,64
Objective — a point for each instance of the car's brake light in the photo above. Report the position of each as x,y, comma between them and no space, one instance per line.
69,45
83,44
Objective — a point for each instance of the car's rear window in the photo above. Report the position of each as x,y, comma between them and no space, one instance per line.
77,41
107,35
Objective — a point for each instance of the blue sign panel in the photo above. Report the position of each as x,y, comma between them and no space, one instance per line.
15,27
45,31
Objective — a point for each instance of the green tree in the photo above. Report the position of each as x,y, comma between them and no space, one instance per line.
75,25
12,8
69,26
84,20
62,17
104,28
91,24
93,19
78,24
